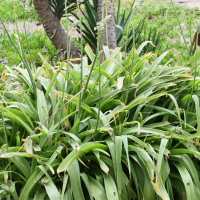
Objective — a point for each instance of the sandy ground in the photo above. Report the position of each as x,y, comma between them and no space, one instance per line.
30,27
191,4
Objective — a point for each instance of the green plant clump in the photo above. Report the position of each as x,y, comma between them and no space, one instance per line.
29,44
160,17
145,146
19,7
125,128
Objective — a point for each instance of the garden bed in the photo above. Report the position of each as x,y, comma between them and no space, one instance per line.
127,127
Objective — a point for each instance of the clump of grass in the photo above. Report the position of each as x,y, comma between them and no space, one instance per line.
38,42
21,8
132,137
160,16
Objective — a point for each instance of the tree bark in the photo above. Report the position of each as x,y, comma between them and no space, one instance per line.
111,25
54,30
194,43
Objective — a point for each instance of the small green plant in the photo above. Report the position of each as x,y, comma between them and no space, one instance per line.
58,7
22,10
126,128
38,42
160,17
140,149
121,22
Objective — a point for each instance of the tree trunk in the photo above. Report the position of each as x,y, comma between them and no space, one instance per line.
111,25
54,30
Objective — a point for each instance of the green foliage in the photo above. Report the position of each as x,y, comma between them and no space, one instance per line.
58,6
37,41
160,17
145,144
20,8
90,22
140,150
156,39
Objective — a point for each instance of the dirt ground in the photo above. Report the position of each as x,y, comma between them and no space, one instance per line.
191,4
30,27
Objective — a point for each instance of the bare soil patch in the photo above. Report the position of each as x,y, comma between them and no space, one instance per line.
30,27
191,4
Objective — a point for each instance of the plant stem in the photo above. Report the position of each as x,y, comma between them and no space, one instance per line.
22,59
107,28
66,86
131,67
118,11
81,80
192,91
190,30
126,43
99,104
181,29
99,36
29,50
90,75
18,33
